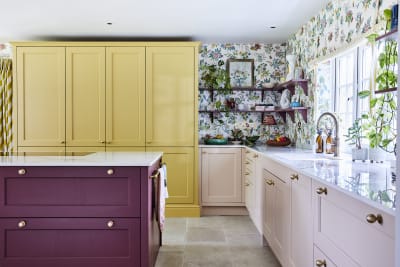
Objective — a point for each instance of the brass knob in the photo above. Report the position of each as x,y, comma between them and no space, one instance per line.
294,177
62,142
110,171
108,142
102,141
270,182
372,218
322,190
255,156
21,171
320,263
21,224
246,173
110,224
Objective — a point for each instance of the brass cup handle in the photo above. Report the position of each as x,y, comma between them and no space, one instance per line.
21,224
322,190
247,152
246,184
110,171
294,177
372,218
247,163
270,182
320,263
110,224
21,171
246,173
255,156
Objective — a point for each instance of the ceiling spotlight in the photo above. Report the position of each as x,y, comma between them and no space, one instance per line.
272,27
109,23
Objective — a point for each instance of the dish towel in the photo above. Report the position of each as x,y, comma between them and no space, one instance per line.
163,195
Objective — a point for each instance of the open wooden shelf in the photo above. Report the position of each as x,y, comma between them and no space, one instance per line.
282,112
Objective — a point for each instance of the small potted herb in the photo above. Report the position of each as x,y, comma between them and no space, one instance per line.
353,137
237,136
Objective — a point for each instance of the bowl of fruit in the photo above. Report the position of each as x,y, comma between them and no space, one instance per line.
280,140
215,140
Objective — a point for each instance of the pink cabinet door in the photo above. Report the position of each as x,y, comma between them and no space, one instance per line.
70,192
70,242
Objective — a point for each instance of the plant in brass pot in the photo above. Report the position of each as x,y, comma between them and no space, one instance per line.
237,136
353,137
215,77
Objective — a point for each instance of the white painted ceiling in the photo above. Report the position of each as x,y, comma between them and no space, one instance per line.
202,20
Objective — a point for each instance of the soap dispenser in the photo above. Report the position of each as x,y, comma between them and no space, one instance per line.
329,143
319,142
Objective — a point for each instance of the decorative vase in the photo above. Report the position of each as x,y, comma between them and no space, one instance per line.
291,59
359,154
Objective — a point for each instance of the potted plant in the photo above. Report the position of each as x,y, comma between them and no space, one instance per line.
215,77
237,136
354,136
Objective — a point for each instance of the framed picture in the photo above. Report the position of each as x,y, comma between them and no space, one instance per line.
241,72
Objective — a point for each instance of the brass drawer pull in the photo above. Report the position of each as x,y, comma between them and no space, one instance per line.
110,171
110,224
320,263
246,184
247,152
372,218
294,177
247,163
322,190
21,171
21,224
246,173
270,182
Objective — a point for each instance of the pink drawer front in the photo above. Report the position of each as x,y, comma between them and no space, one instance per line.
70,192
72,242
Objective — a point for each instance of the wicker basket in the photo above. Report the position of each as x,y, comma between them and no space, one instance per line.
276,143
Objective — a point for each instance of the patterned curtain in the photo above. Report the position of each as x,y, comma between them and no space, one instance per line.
5,106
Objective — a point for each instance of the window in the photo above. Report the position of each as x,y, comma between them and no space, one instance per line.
339,80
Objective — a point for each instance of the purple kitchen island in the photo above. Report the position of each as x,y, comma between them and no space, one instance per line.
94,210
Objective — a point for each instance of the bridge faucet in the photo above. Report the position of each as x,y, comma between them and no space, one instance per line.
336,150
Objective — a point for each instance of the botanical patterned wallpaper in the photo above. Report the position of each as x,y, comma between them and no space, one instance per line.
338,25
269,65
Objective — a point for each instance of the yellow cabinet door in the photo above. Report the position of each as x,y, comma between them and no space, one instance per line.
40,83
125,96
180,173
170,96
85,96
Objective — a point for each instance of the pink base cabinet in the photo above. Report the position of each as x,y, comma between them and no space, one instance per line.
78,217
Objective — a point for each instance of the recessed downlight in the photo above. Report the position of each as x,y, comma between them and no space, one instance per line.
272,27
109,23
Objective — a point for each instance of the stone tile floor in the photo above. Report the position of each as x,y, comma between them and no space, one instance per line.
214,241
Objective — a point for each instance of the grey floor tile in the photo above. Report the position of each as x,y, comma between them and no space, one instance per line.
215,241
202,234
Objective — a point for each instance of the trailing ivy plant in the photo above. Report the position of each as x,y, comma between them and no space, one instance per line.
380,123
215,77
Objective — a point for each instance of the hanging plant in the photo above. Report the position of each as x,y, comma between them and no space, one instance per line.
215,77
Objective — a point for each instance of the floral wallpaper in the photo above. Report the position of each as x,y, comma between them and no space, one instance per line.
269,66
338,25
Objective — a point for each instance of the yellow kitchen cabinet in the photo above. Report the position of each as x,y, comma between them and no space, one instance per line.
182,180
85,96
171,96
40,79
125,96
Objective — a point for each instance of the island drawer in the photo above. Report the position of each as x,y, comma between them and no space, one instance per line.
70,192
74,242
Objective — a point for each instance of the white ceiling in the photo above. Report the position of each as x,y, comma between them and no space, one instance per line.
202,20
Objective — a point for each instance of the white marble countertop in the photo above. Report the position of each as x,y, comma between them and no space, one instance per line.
368,182
89,159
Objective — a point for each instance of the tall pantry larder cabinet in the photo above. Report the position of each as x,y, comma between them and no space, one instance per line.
112,96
